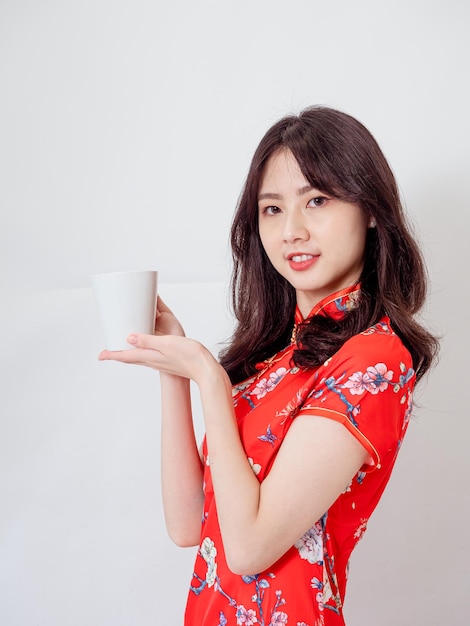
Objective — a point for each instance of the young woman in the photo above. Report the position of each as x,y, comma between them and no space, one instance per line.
307,407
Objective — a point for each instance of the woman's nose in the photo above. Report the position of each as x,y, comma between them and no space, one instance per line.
295,229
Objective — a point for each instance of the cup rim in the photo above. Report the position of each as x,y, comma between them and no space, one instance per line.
125,272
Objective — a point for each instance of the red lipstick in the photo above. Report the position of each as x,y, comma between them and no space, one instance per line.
301,262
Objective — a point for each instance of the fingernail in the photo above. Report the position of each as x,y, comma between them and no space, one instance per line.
132,339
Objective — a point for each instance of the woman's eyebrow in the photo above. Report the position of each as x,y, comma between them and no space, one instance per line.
277,196
269,196
305,189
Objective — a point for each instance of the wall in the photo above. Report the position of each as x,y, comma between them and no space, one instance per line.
126,129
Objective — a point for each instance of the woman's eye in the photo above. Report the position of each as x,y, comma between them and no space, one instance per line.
317,201
271,210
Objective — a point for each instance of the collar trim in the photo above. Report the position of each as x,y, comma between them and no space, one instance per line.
336,305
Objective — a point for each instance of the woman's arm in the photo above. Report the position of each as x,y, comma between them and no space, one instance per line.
181,466
316,461
260,522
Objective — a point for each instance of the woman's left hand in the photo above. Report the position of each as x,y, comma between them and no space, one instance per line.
171,354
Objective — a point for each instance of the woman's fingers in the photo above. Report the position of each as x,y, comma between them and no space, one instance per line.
162,307
165,321
137,340
163,352
133,354
166,353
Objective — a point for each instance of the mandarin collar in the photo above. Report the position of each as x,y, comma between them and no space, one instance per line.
336,305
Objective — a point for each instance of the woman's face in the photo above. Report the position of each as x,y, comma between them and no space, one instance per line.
315,241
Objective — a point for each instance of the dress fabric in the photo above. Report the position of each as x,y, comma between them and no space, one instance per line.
367,386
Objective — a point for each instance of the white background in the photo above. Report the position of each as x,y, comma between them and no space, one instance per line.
126,130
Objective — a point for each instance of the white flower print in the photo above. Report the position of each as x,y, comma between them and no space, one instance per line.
327,591
246,616
310,545
211,574
265,385
293,406
324,590
361,529
256,467
208,551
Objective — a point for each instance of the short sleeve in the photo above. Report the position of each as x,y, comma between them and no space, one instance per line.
367,386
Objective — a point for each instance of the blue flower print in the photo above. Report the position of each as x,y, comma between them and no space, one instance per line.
405,375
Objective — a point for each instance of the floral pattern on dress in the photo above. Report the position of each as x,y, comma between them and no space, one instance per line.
375,379
367,385
267,384
278,619
310,545
256,467
208,553
246,616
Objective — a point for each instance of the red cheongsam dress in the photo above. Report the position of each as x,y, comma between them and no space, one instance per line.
367,387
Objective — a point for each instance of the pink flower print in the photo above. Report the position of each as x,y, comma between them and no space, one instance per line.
265,385
378,378
278,618
262,388
319,598
409,409
246,616
357,383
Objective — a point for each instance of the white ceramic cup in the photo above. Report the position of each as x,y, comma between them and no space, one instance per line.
126,303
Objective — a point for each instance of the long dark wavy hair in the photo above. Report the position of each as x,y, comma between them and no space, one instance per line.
338,156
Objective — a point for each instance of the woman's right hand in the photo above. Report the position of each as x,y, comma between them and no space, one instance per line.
166,322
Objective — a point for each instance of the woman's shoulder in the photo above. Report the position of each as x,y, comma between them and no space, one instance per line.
377,343
380,332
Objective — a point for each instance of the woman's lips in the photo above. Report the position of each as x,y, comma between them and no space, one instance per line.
301,262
